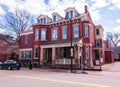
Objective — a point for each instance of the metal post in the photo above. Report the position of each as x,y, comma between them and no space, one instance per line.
71,49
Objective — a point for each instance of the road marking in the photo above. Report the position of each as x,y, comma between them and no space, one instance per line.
55,80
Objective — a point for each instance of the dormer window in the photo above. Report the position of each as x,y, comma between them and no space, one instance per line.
54,18
42,20
69,14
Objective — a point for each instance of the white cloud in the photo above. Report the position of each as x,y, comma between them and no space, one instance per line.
2,30
100,3
118,20
116,29
2,12
38,7
116,4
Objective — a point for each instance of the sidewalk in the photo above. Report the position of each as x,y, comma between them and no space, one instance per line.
107,70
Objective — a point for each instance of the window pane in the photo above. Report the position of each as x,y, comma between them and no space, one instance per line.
54,18
71,14
43,35
64,33
86,30
36,35
39,21
87,52
54,34
98,43
44,20
76,31
97,31
36,52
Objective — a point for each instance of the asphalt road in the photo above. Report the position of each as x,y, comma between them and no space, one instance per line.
41,78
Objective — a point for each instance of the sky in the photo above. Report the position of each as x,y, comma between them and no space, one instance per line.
104,12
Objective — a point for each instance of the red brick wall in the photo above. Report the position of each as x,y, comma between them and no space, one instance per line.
30,41
109,57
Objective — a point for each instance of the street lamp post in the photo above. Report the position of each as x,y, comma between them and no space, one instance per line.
71,48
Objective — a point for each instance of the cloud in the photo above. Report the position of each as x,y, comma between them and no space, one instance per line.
118,20
116,29
2,12
2,30
116,4
37,7
100,3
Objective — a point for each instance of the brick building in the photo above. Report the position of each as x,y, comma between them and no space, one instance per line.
7,47
48,42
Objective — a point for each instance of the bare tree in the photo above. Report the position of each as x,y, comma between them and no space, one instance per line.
15,22
113,38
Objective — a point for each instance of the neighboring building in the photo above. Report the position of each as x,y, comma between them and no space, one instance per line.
7,47
49,40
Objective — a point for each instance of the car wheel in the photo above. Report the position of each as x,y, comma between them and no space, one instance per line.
9,68
18,68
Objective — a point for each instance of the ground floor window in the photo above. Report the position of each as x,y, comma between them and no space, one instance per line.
87,52
35,52
26,54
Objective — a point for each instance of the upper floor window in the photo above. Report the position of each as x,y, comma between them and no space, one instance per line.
54,34
26,39
54,18
97,32
44,20
39,21
36,35
64,33
69,14
86,31
98,43
35,52
43,34
76,31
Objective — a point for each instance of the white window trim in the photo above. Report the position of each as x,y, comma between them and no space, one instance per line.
86,30
29,49
52,35
45,34
34,52
87,50
74,32
36,39
62,32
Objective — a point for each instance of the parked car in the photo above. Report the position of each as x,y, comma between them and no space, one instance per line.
11,64
1,65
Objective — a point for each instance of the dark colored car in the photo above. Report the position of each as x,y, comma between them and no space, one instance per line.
11,64
1,63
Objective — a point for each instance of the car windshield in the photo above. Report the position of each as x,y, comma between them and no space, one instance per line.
10,61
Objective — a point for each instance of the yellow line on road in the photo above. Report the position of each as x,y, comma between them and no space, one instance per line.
55,80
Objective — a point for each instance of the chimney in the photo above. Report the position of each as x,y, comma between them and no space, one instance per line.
86,9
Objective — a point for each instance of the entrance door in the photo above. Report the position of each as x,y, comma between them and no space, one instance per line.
49,55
